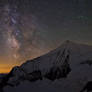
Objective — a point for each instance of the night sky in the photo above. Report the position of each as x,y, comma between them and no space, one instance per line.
30,28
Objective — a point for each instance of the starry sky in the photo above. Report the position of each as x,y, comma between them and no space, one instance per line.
30,28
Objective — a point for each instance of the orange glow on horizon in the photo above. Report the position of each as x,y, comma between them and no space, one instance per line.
6,68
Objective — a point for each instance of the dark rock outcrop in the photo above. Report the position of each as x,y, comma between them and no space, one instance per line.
87,87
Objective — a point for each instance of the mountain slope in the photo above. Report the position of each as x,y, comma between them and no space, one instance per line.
64,66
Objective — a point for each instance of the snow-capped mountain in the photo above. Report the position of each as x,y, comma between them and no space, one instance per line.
67,69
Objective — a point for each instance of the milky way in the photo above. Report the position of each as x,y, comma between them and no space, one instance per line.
21,35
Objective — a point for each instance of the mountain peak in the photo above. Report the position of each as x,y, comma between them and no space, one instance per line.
57,64
69,42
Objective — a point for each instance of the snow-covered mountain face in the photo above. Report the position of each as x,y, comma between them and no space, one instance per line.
67,69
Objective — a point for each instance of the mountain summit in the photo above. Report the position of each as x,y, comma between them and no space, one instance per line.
68,63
